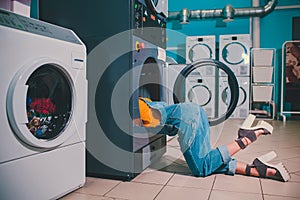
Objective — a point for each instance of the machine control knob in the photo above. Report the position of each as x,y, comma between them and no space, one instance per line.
139,46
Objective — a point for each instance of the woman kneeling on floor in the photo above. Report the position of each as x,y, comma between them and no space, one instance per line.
190,122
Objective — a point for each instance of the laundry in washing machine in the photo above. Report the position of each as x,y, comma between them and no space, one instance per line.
201,47
242,109
235,53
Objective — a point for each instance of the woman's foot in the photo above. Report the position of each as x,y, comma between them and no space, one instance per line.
269,173
248,137
261,168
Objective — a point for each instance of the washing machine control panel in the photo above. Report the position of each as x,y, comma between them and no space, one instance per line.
148,24
22,23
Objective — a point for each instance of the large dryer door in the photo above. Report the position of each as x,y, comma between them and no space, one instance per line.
200,91
40,103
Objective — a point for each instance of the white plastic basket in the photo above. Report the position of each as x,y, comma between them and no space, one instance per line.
262,74
262,93
262,57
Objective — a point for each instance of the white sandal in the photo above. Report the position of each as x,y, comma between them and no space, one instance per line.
261,164
249,132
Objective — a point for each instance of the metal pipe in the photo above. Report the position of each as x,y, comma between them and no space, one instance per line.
227,13
256,27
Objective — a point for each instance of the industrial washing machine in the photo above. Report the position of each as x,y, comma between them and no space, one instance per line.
126,42
201,90
234,51
242,109
43,109
198,89
201,47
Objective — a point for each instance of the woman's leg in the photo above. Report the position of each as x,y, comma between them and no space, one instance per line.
233,147
218,160
194,140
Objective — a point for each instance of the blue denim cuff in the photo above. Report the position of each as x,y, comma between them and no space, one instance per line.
231,167
225,154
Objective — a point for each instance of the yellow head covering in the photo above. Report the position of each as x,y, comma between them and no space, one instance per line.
148,116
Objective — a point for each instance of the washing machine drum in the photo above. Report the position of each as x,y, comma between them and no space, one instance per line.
200,94
40,104
200,51
180,84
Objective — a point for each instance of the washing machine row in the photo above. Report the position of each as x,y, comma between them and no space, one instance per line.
43,109
234,51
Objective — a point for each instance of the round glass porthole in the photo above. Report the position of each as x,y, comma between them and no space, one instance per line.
48,102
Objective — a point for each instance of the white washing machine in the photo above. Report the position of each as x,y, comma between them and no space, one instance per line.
201,47
242,109
198,89
43,109
235,53
201,90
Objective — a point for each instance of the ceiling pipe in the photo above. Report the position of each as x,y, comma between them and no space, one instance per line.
255,27
227,13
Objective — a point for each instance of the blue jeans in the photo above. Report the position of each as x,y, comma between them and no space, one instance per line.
194,139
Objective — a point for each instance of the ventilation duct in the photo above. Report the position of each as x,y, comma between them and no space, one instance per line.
227,13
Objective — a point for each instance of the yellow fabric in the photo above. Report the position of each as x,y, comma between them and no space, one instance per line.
147,115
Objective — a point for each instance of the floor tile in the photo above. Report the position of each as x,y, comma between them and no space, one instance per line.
98,186
292,164
153,177
269,197
79,196
178,193
272,187
287,153
191,181
135,191
237,183
178,169
169,158
295,177
217,195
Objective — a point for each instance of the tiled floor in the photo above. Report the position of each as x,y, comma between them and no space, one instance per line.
170,178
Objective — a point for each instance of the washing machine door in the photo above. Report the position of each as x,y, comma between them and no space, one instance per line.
179,94
40,103
158,6
225,96
234,53
200,51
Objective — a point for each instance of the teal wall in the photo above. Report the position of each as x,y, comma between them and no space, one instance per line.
276,28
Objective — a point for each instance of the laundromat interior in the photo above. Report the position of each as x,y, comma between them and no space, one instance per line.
150,99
